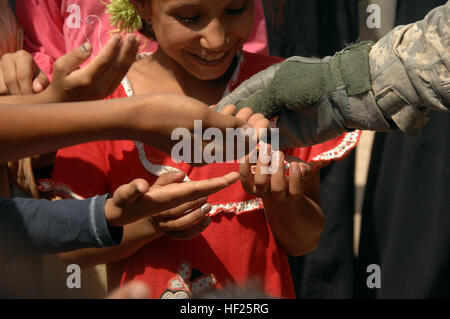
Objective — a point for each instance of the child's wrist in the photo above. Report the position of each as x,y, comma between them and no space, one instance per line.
47,96
112,213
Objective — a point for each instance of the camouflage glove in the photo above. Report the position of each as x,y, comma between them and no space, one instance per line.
316,99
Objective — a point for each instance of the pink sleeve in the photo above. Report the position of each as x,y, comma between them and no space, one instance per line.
257,42
42,23
79,172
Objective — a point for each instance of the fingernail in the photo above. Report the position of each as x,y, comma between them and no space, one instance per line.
86,47
38,87
131,38
206,208
305,170
117,38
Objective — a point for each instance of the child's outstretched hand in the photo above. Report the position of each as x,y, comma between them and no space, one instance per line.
255,120
290,199
271,180
96,80
20,75
174,207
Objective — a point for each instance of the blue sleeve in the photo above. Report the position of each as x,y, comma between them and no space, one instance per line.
33,227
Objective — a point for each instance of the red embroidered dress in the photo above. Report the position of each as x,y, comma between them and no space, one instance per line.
238,244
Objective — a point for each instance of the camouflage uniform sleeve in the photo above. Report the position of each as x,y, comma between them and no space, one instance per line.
410,70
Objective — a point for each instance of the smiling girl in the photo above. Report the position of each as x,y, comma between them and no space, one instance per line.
200,55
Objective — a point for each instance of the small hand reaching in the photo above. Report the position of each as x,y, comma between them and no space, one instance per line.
96,80
173,207
271,179
20,75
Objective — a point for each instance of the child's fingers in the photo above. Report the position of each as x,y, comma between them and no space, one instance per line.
185,221
258,121
119,68
263,171
8,66
169,178
40,81
25,70
295,181
244,114
214,119
192,231
3,88
305,169
131,290
228,110
129,193
174,195
105,58
72,60
127,53
246,176
278,184
180,210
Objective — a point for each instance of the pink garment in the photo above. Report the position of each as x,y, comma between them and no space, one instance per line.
257,42
10,34
55,27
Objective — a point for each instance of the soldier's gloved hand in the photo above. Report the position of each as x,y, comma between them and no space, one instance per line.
312,96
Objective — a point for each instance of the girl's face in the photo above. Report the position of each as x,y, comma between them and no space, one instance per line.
202,36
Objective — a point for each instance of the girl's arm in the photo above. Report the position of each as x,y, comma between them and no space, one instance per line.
53,126
94,81
135,236
168,190
291,205
297,223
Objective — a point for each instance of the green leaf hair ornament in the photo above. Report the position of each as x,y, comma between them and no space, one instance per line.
123,16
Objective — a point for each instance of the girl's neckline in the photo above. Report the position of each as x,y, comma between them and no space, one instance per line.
128,87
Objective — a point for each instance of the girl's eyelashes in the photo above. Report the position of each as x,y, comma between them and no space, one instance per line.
188,19
237,11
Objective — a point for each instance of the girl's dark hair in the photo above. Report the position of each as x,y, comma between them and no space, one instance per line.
147,29
275,10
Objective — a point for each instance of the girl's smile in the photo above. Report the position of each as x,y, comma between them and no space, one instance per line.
210,60
201,36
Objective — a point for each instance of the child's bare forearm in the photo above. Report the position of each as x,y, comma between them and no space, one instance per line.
35,129
148,118
25,99
297,227
298,224
135,236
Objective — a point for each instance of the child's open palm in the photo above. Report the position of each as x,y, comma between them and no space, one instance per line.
96,80
173,207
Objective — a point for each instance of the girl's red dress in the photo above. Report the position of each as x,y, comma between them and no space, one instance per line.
237,246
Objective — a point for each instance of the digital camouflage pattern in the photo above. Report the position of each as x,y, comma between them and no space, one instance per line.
410,69
409,75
